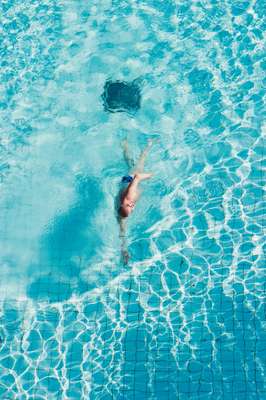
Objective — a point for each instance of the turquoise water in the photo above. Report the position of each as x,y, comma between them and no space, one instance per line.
186,318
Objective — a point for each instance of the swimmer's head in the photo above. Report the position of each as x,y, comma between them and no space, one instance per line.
126,208
123,213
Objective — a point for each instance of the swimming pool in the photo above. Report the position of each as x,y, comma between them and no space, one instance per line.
186,318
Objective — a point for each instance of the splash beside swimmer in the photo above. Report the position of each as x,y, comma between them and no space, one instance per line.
130,193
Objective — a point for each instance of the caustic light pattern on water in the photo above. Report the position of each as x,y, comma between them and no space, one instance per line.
185,319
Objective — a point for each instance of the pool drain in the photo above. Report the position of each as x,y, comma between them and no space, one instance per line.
119,96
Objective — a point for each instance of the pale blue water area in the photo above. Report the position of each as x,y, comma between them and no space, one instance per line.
185,319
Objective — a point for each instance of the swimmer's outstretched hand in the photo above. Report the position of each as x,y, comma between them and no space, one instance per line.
125,257
142,176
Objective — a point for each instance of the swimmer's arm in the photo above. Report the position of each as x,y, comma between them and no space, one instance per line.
122,226
122,235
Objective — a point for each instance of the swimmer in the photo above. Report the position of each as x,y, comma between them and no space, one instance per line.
130,194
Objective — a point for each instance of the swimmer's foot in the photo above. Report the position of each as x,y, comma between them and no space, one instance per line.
142,176
129,160
150,143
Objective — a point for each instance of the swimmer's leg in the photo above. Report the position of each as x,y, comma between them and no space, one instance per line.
141,161
141,176
129,160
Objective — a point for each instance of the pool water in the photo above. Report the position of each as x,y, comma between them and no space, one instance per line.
185,319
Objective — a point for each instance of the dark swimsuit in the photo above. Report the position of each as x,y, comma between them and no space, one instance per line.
127,179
